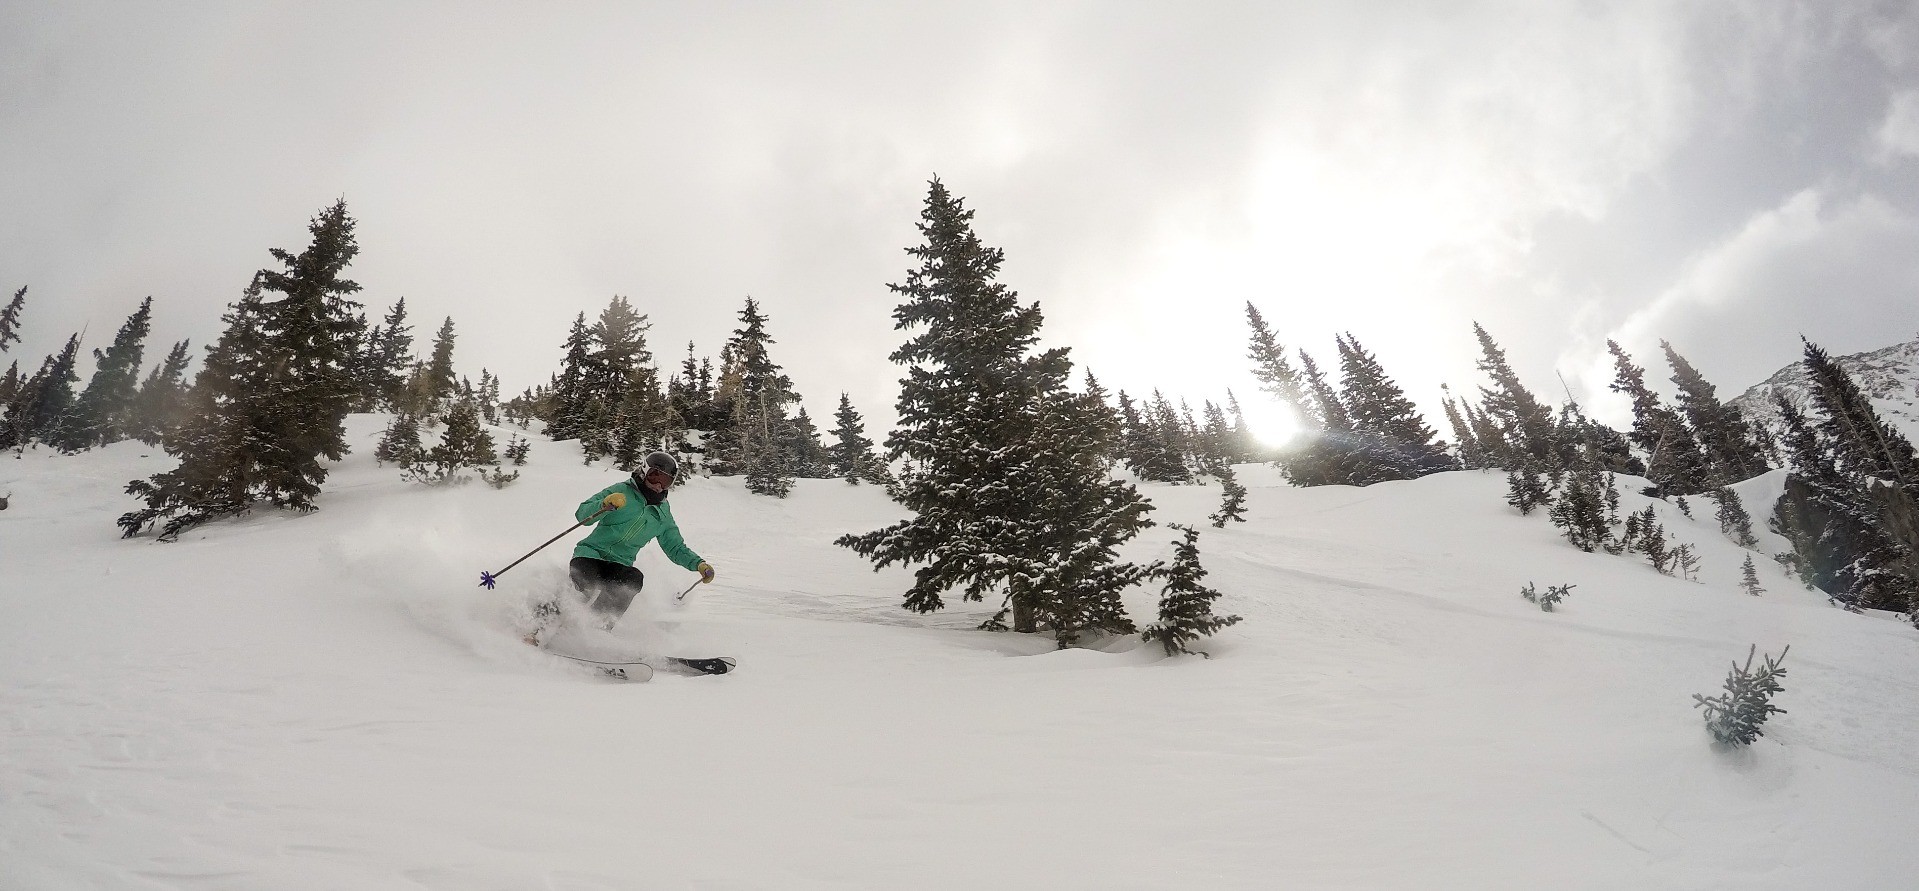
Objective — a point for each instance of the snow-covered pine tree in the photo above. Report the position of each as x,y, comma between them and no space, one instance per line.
1525,426
217,475
753,393
277,403
10,319
1395,442
852,455
1654,544
1275,372
1723,432
400,441
1732,517
1582,510
1527,489
388,355
1675,463
1841,542
568,416
1736,717
43,408
104,410
10,384
1168,434
1328,454
805,454
1185,605
464,443
1466,443
1862,443
1003,468
158,405
1232,502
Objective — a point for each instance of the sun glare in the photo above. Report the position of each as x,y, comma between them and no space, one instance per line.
1271,424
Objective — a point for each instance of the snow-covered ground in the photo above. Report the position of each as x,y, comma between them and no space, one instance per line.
328,701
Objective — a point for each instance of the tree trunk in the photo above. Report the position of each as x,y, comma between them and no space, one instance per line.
1025,617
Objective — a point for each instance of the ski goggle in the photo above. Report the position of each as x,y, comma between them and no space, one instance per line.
658,477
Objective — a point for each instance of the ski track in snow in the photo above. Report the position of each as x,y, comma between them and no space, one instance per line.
329,701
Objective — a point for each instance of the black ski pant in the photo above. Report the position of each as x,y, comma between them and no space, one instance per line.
609,588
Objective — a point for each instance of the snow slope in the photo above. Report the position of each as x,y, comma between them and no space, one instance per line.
328,701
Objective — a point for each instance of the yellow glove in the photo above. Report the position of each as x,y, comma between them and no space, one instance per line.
706,573
614,501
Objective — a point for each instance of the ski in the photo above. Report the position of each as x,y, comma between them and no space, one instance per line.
713,665
624,671
640,670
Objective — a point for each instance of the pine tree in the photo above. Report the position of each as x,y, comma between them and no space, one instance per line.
385,360
230,399
1329,454
1232,504
1395,442
1675,464
1844,542
1274,372
1527,490
852,456
104,410
1737,716
400,442
1732,517
42,409
1722,431
806,454
1472,456
1583,510
1004,467
1861,442
10,319
273,397
1749,578
570,390
1525,426
161,399
463,443
753,393
1163,443
1185,605
11,383
440,378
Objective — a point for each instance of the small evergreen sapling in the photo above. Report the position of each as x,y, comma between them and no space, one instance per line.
1526,490
1735,717
1685,563
1185,606
1749,578
516,449
1550,598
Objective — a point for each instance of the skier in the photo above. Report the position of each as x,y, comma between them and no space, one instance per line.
602,567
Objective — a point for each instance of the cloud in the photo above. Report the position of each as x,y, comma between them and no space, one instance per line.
1899,135
1838,270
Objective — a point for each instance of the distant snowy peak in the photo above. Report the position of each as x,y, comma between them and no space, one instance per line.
1890,376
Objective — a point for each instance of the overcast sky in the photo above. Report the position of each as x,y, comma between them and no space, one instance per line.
1724,175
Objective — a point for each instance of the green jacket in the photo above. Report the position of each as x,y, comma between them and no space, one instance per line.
618,536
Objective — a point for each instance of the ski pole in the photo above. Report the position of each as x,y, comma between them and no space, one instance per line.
682,594
488,578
